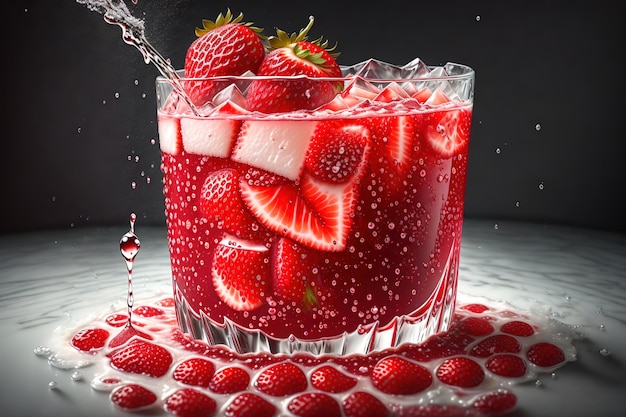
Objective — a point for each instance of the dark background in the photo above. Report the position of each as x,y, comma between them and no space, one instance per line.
79,118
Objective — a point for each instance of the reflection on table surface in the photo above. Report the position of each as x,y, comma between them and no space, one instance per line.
51,278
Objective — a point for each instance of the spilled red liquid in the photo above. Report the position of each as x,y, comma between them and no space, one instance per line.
471,369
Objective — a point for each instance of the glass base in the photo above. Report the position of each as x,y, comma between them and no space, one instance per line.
433,317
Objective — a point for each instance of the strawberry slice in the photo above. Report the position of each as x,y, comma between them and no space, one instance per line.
447,132
393,143
226,46
293,273
222,206
293,55
399,142
336,154
320,216
241,274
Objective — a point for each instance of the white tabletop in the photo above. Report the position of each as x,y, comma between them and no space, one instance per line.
50,279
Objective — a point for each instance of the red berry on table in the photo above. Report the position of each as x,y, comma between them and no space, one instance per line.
249,405
476,326
194,371
506,365
132,397
140,357
90,339
229,380
363,404
147,311
281,379
398,376
314,404
545,354
330,379
518,328
188,402
495,403
499,343
460,372
475,307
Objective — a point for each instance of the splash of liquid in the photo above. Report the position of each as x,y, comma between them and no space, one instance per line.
129,247
116,12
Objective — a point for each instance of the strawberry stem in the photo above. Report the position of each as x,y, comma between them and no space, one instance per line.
222,20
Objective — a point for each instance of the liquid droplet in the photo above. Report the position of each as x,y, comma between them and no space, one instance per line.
537,127
53,385
129,247
42,351
541,186
605,352
76,376
478,18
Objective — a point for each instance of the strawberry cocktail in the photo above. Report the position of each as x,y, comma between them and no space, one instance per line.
311,207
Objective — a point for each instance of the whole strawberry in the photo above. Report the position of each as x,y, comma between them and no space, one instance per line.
224,47
292,55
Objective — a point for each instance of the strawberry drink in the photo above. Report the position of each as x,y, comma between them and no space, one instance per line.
311,206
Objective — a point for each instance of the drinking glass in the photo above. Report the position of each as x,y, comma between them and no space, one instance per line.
333,230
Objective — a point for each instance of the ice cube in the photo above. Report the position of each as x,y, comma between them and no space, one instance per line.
415,69
170,140
231,93
378,70
210,136
392,92
277,146
360,89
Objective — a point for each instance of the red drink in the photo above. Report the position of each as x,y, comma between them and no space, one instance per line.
334,230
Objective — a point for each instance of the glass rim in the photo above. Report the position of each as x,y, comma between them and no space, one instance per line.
467,74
